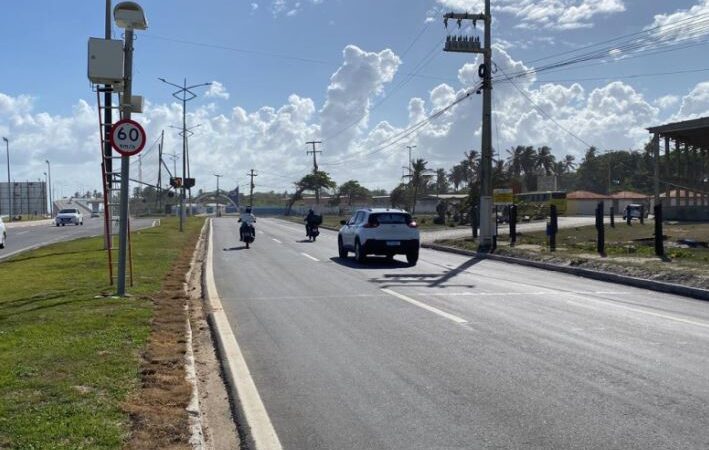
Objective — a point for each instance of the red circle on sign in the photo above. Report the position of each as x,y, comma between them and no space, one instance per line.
116,141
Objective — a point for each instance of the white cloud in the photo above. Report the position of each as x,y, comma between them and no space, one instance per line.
666,101
695,104
553,14
683,23
217,90
361,77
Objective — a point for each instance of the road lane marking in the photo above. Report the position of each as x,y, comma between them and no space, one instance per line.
511,294
235,368
410,300
308,256
276,240
641,311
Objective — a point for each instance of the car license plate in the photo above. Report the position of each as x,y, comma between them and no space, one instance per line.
393,243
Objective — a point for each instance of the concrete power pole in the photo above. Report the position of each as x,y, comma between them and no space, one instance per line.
252,174
315,165
471,44
410,147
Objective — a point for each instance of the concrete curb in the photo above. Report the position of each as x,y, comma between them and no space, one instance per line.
32,223
660,286
254,425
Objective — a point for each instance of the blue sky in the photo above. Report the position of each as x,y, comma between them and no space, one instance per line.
264,51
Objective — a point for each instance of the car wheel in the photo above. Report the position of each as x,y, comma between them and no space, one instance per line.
341,251
412,257
2,243
359,253
57,224
389,257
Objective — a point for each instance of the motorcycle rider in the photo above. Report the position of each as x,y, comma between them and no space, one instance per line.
310,220
247,219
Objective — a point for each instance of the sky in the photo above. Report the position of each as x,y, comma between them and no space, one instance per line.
362,76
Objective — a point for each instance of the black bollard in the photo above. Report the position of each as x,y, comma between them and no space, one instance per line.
627,214
642,214
513,225
601,239
474,220
612,217
554,227
659,245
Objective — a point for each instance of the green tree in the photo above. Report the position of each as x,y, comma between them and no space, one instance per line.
352,190
456,176
441,181
315,181
419,180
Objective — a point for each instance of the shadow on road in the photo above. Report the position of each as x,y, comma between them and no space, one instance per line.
431,280
370,263
231,249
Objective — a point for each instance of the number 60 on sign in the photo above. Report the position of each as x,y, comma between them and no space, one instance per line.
127,137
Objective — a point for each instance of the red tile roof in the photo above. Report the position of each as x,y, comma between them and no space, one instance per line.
629,195
585,195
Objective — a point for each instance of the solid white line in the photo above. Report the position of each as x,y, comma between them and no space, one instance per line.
235,368
308,256
641,311
448,316
276,240
512,294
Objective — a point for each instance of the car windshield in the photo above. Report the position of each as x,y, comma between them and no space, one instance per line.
390,218
68,211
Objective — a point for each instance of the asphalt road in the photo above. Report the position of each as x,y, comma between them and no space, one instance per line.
458,353
26,236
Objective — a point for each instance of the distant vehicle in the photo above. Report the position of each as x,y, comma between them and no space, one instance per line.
379,231
635,211
69,215
536,204
95,214
3,234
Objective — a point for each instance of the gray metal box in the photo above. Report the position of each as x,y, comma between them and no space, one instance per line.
105,64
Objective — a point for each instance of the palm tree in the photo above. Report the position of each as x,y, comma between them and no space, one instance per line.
419,179
528,161
456,176
545,160
569,164
514,161
441,182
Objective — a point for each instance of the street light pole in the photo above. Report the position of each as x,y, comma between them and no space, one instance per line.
217,197
9,195
183,94
49,186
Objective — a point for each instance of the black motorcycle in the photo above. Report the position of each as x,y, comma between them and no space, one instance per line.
248,234
312,232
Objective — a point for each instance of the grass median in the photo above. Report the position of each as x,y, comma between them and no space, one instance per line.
70,354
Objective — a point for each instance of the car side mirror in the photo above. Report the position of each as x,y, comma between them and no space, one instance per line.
343,222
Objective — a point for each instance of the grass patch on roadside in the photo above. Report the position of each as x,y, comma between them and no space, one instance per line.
68,360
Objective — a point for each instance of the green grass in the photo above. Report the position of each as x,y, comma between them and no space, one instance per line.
67,358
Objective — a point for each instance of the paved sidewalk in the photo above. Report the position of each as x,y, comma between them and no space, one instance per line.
30,223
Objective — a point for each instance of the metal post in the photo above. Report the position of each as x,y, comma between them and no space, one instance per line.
184,152
108,112
513,225
486,148
554,227
659,246
125,164
9,192
600,230
217,197
49,176
612,211
656,157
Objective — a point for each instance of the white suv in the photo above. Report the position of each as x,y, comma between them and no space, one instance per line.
379,231
69,215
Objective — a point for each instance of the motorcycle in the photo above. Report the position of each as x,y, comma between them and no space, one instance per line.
312,232
248,234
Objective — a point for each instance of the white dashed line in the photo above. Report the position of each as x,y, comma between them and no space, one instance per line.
308,256
276,240
448,316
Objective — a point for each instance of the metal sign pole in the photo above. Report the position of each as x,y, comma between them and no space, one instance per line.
125,164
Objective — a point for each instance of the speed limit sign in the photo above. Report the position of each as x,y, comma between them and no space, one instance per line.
127,137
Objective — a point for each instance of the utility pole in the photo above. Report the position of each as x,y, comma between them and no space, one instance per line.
184,94
315,165
107,112
471,44
410,147
251,187
158,198
174,157
9,191
217,197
